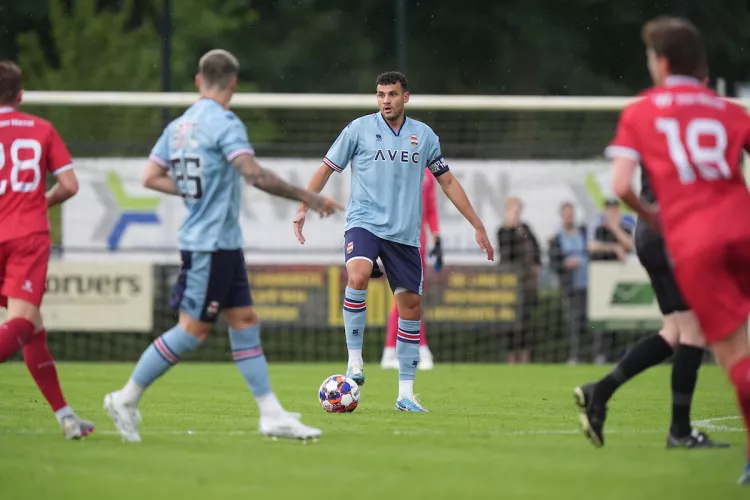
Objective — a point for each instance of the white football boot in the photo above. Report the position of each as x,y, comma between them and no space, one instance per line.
126,418
286,426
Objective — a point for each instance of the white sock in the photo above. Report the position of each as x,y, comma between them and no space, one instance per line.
355,356
389,352
405,389
65,411
269,405
131,393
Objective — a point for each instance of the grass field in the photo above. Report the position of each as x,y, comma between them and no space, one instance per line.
495,432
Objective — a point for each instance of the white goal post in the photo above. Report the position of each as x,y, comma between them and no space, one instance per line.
338,101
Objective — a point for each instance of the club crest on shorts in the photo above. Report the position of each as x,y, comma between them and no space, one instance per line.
414,140
212,309
349,247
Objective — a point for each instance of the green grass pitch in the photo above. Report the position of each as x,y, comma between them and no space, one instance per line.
495,432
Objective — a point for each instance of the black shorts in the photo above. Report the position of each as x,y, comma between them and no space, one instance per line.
652,254
210,282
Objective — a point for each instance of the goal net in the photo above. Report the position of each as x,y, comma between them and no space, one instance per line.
109,287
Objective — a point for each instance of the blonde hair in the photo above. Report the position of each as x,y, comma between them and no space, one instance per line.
217,68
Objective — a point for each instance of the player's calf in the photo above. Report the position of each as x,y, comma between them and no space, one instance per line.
14,334
355,319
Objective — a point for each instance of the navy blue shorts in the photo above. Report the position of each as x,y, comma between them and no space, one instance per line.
210,282
403,264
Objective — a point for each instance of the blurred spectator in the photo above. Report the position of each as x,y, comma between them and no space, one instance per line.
610,240
517,244
569,258
612,235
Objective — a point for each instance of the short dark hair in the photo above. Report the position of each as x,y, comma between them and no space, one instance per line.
217,67
566,204
392,78
11,82
680,42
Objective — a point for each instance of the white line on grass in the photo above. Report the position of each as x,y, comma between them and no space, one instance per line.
707,424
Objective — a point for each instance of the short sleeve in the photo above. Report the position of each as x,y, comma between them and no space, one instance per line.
342,150
435,161
233,142
160,152
59,159
625,143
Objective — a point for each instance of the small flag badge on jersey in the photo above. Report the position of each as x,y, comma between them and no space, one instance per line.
212,309
350,247
414,141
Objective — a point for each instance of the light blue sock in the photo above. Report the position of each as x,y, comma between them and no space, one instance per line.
407,348
248,356
355,317
162,354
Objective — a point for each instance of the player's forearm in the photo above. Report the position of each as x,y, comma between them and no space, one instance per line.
58,194
597,247
317,182
267,181
163,184
455,192
632,200
624,239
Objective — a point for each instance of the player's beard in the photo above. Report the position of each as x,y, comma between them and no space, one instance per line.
394,115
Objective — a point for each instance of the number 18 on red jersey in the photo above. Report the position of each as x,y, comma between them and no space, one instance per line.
30,147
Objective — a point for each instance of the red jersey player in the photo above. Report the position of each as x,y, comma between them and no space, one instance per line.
430,221
29,149
690,142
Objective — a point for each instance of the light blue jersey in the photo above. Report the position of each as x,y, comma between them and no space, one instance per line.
198,148
387,172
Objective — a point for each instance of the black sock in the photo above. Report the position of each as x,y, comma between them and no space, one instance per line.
687,361
647,353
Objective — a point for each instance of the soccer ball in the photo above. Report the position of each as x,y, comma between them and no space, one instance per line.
339,394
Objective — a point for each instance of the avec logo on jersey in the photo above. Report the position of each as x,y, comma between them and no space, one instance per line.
397,155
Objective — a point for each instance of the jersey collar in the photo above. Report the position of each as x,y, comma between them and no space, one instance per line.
385,122
675,80
7,109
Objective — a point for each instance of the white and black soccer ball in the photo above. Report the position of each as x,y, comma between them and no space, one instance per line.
339,394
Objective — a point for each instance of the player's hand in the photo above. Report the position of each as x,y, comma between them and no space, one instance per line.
437,254
622,255
323,205
484,243
299,222
572,263
651,218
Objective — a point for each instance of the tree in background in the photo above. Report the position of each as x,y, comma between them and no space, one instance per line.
94,49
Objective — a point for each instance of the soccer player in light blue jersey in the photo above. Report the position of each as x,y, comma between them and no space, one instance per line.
388,153
203,157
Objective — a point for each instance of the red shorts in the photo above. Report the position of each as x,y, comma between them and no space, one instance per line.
23,268
716,286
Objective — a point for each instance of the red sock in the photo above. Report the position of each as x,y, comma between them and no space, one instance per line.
739,374
41,365
392,328
14,334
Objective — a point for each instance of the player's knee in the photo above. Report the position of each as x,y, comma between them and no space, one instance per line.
358,280
241,318
690,330
18,308
409,305
730,350
197,329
